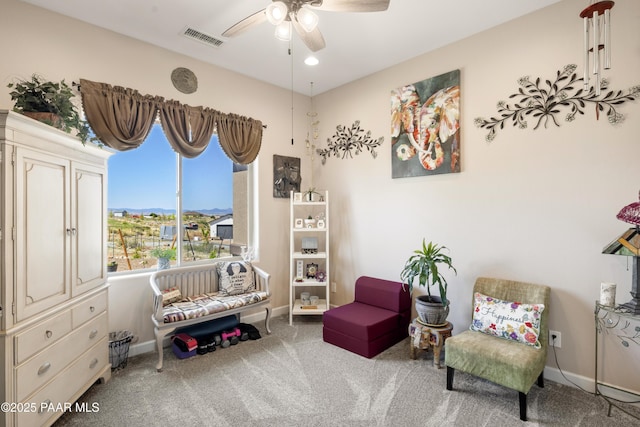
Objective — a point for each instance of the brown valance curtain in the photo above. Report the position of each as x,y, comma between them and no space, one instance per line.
188,129
240,137
122,119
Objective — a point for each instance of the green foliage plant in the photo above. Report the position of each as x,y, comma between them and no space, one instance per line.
160,252
423,267
38,95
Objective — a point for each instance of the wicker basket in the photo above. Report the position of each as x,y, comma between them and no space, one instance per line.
119,348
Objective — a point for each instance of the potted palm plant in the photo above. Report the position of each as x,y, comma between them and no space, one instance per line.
49,102
423,267
164,256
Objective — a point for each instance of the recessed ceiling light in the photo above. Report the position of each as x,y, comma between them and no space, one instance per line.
311,60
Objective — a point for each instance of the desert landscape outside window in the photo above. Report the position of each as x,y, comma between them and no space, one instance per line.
157,199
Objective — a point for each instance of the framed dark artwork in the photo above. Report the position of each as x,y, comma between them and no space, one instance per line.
286,175
425,127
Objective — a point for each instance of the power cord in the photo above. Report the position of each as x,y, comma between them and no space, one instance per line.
597,393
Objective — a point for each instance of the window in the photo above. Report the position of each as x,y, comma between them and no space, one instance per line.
158,199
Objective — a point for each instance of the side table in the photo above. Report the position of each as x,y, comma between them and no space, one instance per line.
423,337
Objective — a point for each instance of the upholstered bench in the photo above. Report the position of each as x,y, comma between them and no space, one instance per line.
184,296
378,318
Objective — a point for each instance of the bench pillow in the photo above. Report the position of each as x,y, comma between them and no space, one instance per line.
506,319
235,278
171,295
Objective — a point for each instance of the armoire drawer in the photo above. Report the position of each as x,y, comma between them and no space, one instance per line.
66,385
44,366
89,309
41,335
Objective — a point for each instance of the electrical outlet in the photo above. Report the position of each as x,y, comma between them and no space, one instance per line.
557,341
333,287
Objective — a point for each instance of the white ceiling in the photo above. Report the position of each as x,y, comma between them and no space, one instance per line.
357,44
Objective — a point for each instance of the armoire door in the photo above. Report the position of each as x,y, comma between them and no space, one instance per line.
43,232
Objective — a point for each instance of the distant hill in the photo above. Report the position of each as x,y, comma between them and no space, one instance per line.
162,211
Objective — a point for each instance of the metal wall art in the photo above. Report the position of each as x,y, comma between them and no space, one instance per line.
425,127
544,100
347,139
286,175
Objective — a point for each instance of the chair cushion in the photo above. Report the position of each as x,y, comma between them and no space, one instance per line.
362,321
507,319
501,361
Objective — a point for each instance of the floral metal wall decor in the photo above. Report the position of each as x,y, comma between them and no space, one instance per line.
347,139
544,100
425,127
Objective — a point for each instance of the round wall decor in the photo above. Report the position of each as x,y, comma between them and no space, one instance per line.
184,80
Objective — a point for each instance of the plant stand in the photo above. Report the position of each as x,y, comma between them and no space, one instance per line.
424,337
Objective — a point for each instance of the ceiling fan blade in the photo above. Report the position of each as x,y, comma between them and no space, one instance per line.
352,5
313,39
248,22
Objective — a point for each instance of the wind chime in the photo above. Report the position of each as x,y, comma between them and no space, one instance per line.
312,133
597,37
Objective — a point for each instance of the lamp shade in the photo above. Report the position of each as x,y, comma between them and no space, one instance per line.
283,31
630,213
276,12
307,19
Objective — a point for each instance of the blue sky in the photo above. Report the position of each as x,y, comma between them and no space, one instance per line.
146,178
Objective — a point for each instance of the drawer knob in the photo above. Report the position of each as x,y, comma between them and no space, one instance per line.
93,363
93,334
49,334
92,309
44,368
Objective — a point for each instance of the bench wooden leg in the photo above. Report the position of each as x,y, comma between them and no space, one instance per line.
267,320
159,339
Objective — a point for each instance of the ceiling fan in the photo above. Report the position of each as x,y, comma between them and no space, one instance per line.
299,14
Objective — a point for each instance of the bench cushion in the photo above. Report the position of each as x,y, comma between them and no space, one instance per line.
203,305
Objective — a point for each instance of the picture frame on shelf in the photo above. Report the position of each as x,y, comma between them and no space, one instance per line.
299,267
297,223
312,268
297,197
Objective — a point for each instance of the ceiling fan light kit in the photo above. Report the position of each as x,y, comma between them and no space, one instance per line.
299,15
283,31
307,19
276,12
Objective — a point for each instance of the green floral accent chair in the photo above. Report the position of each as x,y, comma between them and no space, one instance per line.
508,338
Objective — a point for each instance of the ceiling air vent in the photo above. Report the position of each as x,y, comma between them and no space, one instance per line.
202,37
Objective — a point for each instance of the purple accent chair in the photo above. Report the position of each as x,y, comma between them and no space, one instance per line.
378,318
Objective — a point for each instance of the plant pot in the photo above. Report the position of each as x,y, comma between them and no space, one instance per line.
310,223
431,311
164,263
49,118
111,268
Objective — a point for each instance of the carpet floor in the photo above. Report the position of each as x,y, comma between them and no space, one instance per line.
293,378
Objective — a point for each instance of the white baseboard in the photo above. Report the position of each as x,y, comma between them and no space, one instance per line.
149,346
588,384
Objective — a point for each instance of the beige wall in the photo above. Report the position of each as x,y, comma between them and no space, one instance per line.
533,205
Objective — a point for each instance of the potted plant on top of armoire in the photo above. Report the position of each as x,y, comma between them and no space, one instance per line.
49,102
423,267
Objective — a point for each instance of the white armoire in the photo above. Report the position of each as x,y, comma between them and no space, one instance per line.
53,289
